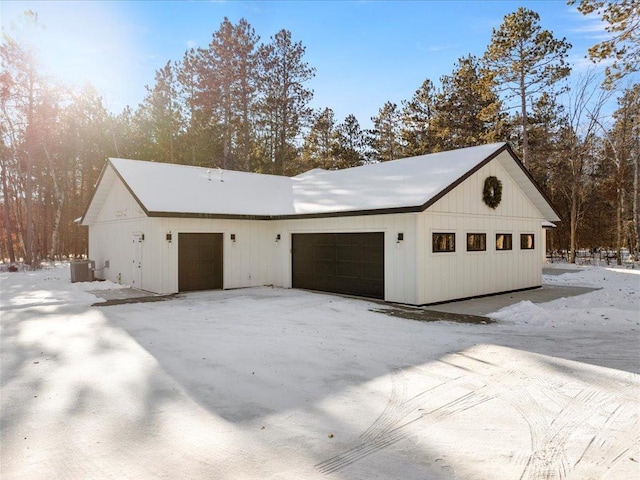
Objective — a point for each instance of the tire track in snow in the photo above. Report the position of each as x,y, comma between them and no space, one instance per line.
399,406
553,412
392,425
609,446
549,458
400,432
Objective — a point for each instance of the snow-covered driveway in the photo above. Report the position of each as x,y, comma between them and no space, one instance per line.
272,383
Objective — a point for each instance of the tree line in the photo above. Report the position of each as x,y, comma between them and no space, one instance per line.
242,103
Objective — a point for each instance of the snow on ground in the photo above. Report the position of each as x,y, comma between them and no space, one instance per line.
274,383
49,286
615,305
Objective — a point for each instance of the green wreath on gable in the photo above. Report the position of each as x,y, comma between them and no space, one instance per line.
492,192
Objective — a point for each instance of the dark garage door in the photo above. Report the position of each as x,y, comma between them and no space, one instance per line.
350,263
199,261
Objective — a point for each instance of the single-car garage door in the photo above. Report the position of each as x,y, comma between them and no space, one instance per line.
199,261
350,263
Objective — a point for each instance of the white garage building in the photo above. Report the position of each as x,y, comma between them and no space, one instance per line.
418,230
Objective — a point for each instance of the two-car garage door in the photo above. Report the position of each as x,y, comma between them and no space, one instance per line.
349,263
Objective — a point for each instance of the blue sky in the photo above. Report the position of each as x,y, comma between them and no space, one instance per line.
364,52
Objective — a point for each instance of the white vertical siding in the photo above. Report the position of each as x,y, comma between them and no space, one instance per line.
112,242
111,236
119,205
413,273
246,261
461,274
255,258
399,266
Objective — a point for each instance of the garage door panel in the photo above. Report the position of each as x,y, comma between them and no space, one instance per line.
372,255
324,283
350,239
372,271
348,252
350,263
363,288
323,239
372,240
348,269
323,252
325,268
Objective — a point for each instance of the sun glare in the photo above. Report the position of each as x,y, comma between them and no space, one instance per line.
78,43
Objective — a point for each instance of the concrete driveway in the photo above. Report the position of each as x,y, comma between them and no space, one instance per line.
273,383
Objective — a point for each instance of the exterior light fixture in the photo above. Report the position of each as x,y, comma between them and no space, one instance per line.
168,236
233,237
278,237
400,237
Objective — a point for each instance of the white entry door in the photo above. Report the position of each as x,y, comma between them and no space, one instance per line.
137,242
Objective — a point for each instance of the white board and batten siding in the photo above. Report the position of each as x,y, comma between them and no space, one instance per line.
414,274
462,274
115,238
399,257
246,261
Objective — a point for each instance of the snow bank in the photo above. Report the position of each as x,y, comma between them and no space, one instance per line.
614,305
524,312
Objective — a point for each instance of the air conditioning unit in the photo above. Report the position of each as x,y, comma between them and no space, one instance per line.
82,271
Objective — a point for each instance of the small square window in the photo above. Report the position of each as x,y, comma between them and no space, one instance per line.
476,242
526,241
504,241
444,242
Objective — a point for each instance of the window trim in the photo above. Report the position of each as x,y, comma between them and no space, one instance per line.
433,243
533,241
510,249
474,250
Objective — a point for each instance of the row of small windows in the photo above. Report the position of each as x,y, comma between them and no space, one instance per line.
477,242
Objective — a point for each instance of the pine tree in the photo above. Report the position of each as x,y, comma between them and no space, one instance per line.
233,65
467,108
545,124
217,86
349,143
188,81
319,144
283,102
623,19
417,121
385,138
526,61
160,115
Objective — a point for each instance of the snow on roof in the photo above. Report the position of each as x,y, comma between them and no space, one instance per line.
405,183
408,182
170,188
